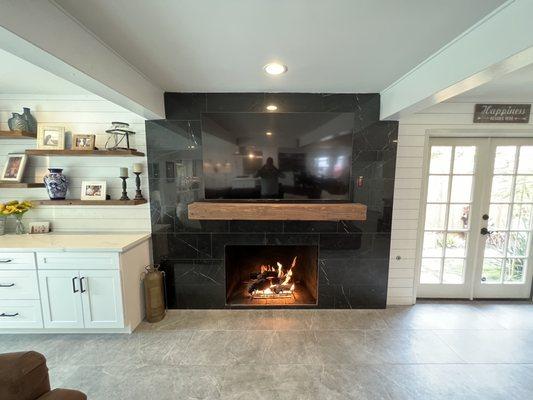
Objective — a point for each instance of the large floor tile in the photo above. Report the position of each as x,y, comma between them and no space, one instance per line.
438,316
490,346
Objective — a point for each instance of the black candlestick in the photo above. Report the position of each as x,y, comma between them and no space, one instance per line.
124,192
138,194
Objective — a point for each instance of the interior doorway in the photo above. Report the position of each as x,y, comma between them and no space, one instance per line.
477,226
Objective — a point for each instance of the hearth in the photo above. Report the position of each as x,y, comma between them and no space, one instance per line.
271,275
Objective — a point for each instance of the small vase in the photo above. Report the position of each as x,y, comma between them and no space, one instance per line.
19,226
30,120
2,225
17,123
56,184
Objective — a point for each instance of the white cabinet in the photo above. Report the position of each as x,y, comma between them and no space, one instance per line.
101,298
72,291
81,299
61,299
20,314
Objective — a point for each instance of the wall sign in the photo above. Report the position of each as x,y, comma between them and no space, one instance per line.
502,113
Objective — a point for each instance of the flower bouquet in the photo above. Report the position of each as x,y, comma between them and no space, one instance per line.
17,209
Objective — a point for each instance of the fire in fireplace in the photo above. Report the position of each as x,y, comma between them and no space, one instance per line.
271,275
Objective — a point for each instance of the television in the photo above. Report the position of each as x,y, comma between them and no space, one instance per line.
277,156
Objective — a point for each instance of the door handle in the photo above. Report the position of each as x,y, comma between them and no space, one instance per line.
8,285
6,260
485,231
8,315
81,284
74,290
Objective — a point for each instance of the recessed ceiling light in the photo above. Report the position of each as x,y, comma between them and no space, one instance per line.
272,107
268,133
275,68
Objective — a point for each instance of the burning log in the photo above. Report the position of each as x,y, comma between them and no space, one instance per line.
271,282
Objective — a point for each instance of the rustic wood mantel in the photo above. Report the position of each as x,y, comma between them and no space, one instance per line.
277,211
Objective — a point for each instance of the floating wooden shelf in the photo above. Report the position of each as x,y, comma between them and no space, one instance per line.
85,153
17,135
78,202
21,185
277,211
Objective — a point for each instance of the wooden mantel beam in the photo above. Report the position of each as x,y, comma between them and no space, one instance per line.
277,211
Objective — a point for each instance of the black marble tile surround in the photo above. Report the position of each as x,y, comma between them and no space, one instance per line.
353,255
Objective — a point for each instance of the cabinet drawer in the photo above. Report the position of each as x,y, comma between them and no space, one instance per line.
17,260
78,260
20,314
18,284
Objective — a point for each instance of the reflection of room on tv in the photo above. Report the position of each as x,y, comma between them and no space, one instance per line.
310,161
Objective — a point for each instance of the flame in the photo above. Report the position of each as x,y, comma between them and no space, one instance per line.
278,289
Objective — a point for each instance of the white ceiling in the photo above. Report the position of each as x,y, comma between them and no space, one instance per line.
329,46
18,76
514,87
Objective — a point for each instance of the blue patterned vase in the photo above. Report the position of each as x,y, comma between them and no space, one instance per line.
17,123
56,184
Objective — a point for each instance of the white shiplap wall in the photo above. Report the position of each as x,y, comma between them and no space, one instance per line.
83,114
450,119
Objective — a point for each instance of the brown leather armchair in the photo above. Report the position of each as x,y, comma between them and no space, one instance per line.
24,376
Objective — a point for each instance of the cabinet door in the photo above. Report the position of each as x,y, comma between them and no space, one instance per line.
102,298
60,297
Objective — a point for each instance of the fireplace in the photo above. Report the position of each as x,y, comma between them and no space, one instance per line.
271,275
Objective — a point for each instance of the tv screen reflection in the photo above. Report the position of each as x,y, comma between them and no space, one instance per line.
289,156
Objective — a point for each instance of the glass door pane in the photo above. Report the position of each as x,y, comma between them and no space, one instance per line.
506,244
447,227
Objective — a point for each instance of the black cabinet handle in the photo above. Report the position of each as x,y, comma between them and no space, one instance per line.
74,290
81,284
9,285
8,315
6,260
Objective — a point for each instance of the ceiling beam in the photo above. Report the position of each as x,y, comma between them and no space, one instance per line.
42,33
497,45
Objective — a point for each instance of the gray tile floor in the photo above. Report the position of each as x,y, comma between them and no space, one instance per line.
441,350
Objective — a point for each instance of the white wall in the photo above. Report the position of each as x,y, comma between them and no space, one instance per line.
453,119
81,114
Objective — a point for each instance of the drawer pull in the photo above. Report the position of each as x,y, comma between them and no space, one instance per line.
8,315
9,285
5,260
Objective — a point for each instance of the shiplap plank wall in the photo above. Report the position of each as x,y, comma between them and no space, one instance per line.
412,136
79,114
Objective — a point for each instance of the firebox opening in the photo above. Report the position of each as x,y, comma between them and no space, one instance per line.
271,275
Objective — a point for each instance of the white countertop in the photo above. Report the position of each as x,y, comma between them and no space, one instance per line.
116,242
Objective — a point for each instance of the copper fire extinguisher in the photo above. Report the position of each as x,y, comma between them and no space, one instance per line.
154,294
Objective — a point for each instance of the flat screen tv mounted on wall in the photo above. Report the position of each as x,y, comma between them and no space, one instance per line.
277,156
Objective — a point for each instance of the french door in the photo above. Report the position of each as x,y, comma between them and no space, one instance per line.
477,225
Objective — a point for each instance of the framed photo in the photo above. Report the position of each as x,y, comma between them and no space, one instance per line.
39,227
14,168
93,190
51,137
83,142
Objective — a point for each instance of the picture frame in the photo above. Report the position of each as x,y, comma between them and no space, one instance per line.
93,190
83,142
51,137
14,167
38,227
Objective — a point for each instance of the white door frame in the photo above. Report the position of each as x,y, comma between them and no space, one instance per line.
485,133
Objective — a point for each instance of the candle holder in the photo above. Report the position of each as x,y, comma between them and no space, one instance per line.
138,194
124,192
